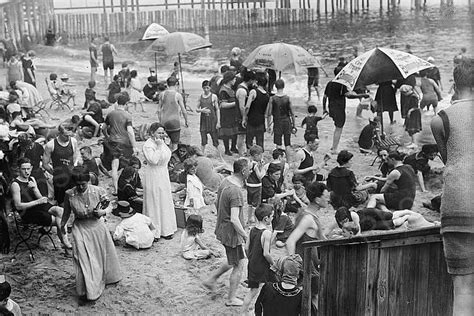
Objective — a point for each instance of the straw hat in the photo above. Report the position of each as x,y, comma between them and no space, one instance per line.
124,210
64,77
430,59
236,51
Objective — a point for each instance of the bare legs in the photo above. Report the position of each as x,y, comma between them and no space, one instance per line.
463,304
57,215
335,140
234,281
377,200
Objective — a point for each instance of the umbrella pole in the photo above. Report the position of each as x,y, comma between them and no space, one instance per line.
279,75
156,67
182,80
381,119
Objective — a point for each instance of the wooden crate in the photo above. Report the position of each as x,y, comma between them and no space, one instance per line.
398,273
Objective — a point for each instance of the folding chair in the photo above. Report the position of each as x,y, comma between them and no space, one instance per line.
386,142
37,110
26,231
56,98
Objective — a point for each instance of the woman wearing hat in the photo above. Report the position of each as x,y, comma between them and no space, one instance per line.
94,256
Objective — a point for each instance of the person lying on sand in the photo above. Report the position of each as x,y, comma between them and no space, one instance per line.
353,223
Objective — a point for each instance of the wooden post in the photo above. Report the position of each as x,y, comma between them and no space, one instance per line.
306,303
332,6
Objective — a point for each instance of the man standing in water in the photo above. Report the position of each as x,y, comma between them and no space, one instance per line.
93,57
230,231
108,52
454,135
337,93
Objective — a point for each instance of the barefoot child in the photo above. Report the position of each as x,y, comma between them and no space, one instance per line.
258,252
311,121
191,245
136,93
208,106
7,305
254,181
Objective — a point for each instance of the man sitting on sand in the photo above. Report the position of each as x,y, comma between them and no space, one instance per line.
419,162
209,174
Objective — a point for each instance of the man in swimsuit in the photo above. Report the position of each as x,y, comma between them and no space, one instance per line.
453,132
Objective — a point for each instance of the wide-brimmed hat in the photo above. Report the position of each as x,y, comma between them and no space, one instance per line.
64,77
430,59
124,210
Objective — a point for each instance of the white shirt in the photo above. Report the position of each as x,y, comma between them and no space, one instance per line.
138,230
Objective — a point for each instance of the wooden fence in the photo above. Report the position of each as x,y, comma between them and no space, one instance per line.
401,273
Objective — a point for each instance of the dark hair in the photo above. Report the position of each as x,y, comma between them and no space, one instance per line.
189,163
91,84
154,127
262,81
395,154
127,173
312,109
341,214
106,38
277,152
5,290
280,84
116,77
205,83
175,63
263,210
424,72
298,178
344,156
171,81
315,190
228,77
463,74
310,138
133,73
337,70
194,225
194,150
224,69
75,119
351,227
123,98
240,164
152,79
86,149
80,173
135,161
53,76
23,160
255,150
247,75
430,149
272,168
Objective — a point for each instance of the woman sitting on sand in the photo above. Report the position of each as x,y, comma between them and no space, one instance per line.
374,219
342,183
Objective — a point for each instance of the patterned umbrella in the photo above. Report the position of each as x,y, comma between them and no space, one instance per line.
282,57
380,65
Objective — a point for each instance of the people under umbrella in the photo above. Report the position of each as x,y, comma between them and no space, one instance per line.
56,175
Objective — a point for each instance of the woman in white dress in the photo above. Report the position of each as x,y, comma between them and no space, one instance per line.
136,92
157,198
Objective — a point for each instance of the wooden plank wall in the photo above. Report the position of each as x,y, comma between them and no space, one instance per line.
384,279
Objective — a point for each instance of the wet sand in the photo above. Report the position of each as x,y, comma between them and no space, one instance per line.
159,280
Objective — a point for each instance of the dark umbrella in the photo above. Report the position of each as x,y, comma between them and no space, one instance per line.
380,65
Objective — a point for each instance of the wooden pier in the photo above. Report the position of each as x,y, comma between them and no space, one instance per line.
114,17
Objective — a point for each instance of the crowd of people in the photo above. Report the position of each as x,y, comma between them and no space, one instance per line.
54,181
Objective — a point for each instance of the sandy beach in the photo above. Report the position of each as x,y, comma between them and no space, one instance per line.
159,280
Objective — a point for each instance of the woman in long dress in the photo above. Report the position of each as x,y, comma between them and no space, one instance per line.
157,199
95,259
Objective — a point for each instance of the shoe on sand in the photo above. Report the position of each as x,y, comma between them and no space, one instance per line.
234,302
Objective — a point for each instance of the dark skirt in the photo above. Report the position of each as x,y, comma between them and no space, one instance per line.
413,122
